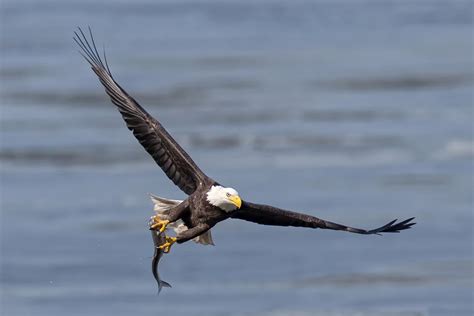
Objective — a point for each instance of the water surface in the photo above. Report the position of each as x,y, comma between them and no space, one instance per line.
358,112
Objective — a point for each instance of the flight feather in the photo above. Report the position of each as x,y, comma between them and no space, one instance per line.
166,152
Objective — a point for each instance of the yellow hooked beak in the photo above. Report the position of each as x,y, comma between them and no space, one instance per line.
235,199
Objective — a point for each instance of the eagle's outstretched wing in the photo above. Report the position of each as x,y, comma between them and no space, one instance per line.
174,161
269,215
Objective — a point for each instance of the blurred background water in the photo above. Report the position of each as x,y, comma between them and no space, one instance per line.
354,111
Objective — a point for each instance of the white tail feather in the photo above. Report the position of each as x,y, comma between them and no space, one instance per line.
162,208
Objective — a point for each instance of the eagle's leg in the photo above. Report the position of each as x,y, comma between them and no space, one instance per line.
173,215
192,232
178,211
168,243
184,236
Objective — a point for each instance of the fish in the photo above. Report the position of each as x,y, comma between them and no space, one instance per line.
158,239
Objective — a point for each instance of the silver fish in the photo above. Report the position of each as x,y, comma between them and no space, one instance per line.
158,239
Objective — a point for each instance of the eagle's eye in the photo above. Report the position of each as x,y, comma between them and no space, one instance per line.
227,194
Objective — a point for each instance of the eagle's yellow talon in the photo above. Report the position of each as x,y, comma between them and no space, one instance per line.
157,222
163,225
167,245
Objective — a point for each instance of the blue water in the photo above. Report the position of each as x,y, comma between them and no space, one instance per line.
358,112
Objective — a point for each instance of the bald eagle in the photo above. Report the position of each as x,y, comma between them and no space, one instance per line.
208,201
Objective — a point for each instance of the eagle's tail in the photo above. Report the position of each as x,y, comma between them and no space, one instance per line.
163,206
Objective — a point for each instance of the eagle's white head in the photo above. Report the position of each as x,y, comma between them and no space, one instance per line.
227,199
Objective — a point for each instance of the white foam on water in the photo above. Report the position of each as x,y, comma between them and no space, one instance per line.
455,149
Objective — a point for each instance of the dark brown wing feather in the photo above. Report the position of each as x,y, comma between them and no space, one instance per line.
174,161
269,215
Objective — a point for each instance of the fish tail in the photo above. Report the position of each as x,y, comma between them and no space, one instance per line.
162,284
